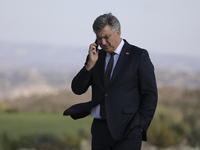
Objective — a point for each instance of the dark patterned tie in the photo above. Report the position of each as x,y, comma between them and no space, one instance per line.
106,82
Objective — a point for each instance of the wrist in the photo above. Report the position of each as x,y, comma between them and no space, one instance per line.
89,66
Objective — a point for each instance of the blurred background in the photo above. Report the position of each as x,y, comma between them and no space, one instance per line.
43,44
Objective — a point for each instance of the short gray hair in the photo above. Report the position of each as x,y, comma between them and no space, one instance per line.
106,19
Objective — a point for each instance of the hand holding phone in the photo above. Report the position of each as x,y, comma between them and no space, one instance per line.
93,56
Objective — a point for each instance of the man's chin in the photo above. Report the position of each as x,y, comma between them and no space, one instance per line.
108,50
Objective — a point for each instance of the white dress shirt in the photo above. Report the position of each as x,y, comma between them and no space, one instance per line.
95,112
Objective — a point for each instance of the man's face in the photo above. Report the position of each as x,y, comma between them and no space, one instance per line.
107,39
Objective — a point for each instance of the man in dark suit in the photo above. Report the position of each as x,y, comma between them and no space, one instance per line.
124,92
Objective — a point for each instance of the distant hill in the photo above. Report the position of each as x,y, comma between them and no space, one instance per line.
53,58
43,57
27,69
176,63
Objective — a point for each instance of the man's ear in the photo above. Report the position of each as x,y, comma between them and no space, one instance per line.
118,32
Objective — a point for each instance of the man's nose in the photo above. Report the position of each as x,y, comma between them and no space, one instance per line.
103,41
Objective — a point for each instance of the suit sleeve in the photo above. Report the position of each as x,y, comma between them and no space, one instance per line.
148,90
81,81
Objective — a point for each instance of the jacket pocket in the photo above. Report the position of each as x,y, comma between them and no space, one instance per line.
131,109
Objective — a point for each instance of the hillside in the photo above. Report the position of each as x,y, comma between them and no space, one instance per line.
186,100
18,56
25,83
31,69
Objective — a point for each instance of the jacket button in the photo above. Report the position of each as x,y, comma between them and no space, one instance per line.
106,94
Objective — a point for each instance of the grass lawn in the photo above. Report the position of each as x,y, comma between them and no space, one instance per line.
16,124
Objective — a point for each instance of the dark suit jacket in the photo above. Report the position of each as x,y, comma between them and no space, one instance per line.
131,96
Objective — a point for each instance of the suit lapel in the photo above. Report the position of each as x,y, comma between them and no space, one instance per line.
121,61
126,51
101,64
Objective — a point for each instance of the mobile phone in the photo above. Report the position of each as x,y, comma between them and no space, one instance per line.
97,44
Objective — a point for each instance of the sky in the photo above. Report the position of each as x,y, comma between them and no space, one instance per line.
160,26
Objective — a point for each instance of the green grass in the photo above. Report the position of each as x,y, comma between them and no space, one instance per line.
17,124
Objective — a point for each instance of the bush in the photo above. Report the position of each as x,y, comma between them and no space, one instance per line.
164,134
41,142
49,142
72,141
192,131
171,127
84,134
166,129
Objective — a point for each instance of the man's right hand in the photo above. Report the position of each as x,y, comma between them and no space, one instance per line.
93,56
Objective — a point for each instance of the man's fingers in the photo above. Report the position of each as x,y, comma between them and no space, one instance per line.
92,47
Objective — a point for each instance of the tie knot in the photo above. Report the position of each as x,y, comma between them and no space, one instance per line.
112,54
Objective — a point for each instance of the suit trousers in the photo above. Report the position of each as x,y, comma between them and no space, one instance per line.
102,139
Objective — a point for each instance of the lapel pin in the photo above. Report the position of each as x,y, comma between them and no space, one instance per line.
127,53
